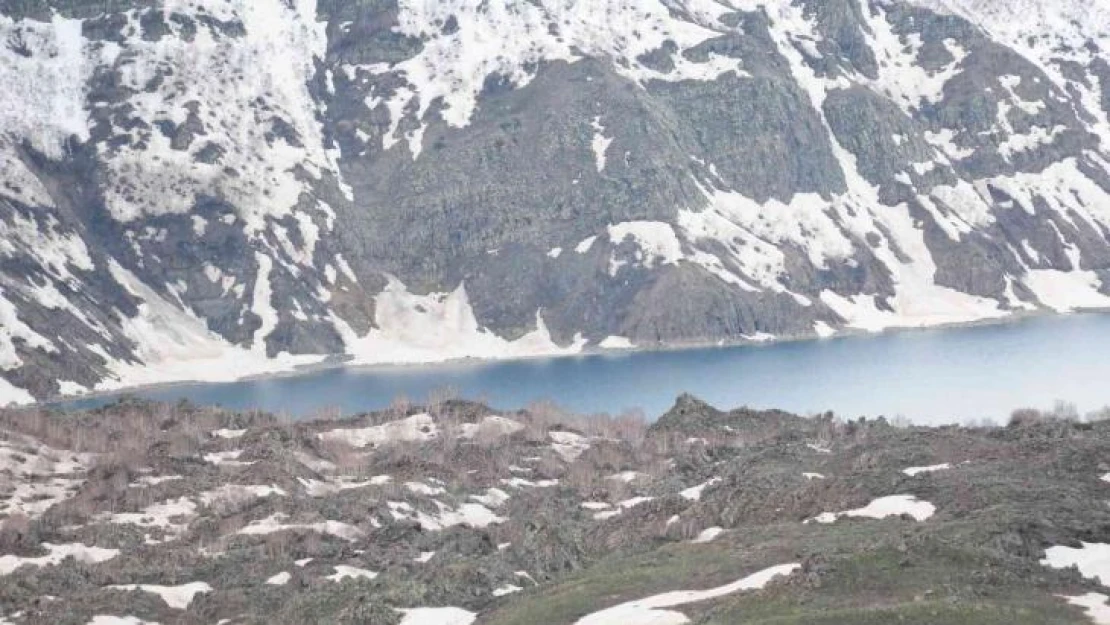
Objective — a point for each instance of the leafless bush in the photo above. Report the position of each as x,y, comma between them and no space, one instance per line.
19,533
439,397
342,454
1102,414
399,406
1062,411
324,413
901,421
231,501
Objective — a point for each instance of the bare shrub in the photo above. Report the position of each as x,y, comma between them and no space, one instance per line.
1062,411
1102,414
232,501
342,454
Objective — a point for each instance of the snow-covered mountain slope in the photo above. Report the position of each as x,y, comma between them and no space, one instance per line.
204,189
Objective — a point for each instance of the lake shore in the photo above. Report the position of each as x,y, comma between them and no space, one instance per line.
472,367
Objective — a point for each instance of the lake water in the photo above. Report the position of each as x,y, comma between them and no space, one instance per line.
930,376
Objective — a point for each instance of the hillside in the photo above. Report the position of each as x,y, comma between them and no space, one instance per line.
452,514
205,189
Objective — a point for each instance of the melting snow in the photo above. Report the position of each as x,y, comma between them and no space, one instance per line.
708,534
46,112
228,458
491,426
694,493
493,498
317,488
280,579
468,514
650,610
415,429
177,597
894,505
232,492
912,471
437,616
507,589
171,517
438,327
656,242
616,342
599,144
57,553
1096,604
420,488
454,67
274,523
343,572
568,444
633,502
1092,560
626,476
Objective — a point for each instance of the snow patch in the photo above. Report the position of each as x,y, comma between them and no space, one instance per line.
56,554
507,589
1092,560
599,144
176,597
912,471
883,507
171,517
437,616
417,428
494,426
438,327
1097,606
616,342
694,492
343,572
568,444
280,579
650,610
274,523
708,534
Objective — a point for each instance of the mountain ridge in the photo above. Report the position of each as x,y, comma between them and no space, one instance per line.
409,183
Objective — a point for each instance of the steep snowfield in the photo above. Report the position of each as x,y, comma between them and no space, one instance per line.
45,112
439,326
454,65
1046,33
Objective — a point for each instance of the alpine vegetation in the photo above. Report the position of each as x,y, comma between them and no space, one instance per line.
455,514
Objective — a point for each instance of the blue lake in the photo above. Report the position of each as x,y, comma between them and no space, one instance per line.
929,376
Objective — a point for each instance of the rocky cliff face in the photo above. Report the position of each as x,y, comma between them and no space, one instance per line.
198,189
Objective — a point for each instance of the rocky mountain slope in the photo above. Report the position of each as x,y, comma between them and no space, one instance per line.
201,189
452,514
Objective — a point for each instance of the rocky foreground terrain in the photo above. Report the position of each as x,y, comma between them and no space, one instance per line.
452,513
